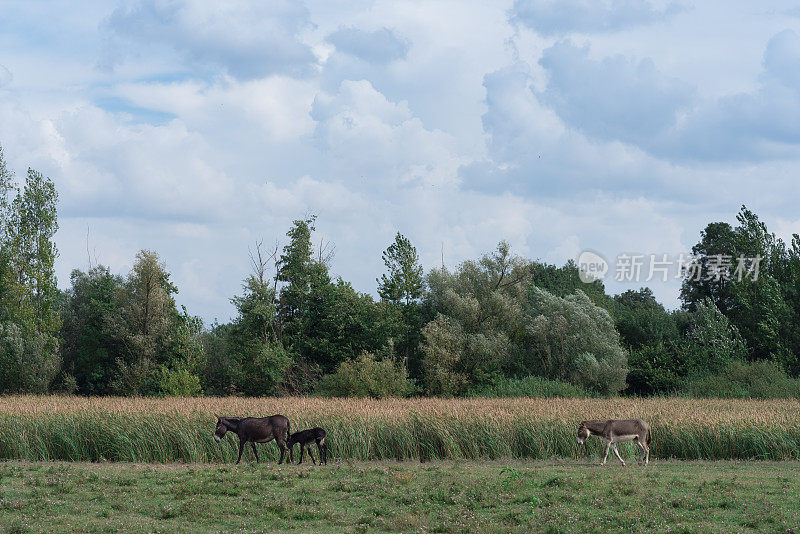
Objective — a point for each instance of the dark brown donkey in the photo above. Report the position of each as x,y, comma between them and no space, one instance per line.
306,438
614,431
255,430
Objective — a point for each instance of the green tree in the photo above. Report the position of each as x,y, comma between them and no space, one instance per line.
89,347
27,363
762,307
484,303
223,370
573,339
29,295
713,341
146,324
403,283
565,280
323,322
254,338
443,348
403,286
31,288
642,320
296,268
717,240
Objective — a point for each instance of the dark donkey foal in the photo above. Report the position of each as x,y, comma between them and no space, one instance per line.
255,430
306,438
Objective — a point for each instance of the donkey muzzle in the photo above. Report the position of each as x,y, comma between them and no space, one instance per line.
217,438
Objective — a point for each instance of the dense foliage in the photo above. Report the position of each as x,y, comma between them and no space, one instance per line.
497,325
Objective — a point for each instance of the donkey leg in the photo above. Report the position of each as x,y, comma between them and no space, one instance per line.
255,451
647,455
311,454
321,451
616,452
282,447
241,449
608,447
302,450
644,450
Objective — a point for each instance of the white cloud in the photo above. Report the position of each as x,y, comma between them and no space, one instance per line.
556,17
377,46
244,39
371,139
220,124
616,98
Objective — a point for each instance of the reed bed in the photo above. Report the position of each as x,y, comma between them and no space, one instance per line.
180,429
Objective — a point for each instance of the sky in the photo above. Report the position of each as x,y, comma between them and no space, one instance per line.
198,128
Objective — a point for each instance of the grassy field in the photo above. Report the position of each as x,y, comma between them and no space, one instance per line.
37,428
460,496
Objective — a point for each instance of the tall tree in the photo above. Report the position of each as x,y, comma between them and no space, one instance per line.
253,338
32,289
402,286
147,322
7,275
29,317
296,267
483,303
89,348
403,283
717,241
575,340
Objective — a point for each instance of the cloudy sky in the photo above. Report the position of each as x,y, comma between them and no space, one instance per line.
559,125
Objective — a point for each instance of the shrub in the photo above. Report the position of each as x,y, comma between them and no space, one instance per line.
575,340
28,362
366,376
442,346
757,380
714,341
529,386
177,383
655,369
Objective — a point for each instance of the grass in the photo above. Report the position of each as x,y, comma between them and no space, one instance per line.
42,428
463,496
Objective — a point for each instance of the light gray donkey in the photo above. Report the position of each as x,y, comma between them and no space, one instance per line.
614,431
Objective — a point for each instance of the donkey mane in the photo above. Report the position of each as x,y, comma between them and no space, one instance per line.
231,423
595,426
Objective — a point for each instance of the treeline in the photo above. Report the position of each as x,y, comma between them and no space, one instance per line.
499,325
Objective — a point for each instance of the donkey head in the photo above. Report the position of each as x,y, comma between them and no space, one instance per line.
583,433
220,431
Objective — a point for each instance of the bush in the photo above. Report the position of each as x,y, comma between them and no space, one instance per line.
576,340
177,383
758,380
655,369
442,345
713,341
366,377
28,362
530,386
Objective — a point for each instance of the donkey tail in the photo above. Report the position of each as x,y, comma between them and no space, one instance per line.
649,437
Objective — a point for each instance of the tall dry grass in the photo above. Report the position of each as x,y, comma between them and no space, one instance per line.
179,429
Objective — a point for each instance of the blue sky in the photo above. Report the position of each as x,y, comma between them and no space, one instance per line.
195,130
